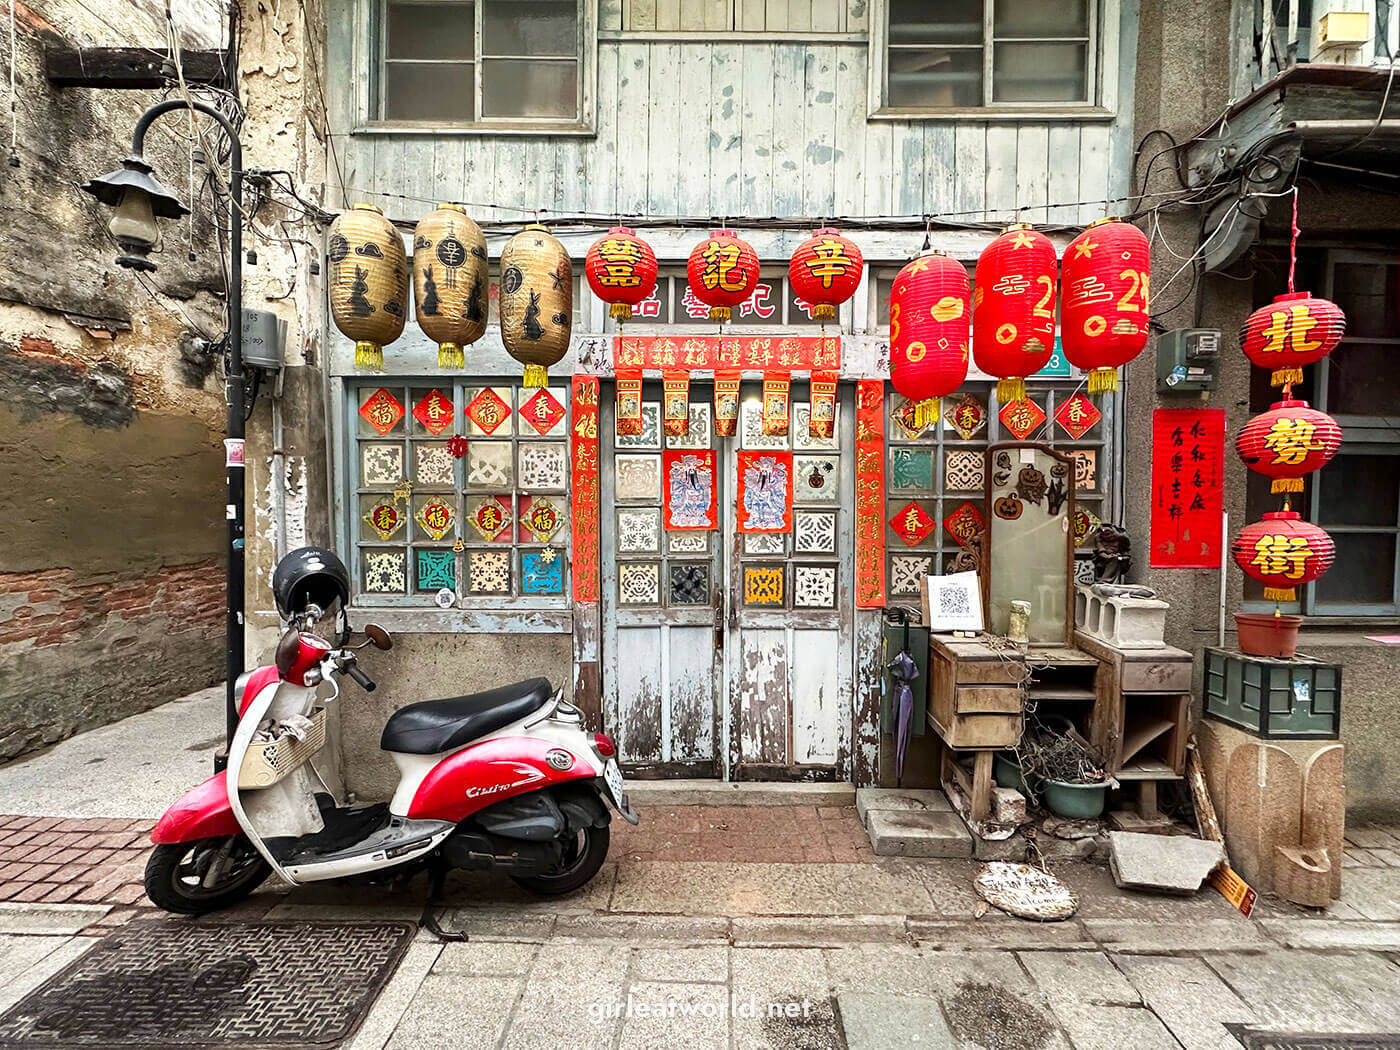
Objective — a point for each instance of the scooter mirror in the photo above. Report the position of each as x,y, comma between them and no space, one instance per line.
379,636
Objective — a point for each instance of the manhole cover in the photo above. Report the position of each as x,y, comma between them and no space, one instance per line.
1253,1040
177,986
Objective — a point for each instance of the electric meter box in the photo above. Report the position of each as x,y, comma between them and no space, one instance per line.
1188,360
264,335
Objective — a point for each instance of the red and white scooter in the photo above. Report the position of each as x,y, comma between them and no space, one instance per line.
506,779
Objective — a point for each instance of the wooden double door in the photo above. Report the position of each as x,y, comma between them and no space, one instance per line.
728,653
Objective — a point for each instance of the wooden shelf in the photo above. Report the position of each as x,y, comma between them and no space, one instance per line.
1059,692
1146,770
1141,734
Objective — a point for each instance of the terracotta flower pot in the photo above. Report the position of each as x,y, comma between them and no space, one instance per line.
1268,634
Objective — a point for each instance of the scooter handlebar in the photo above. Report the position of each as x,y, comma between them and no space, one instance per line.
361,679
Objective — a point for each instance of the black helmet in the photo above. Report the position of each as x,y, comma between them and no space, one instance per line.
309,575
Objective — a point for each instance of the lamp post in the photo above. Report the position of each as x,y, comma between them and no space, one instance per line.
139,200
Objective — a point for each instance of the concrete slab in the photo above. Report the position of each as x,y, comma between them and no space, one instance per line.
441,1015
1189,998
918,799
646,793
388,1010
768,979
874,1021
27,962
1097,1006
1162,863
643,929
918,833
825,932
688,1015
572,997
1157,935
1374,893
706,964
1291,991
996,931
49,918
1312,934
708,888
486,959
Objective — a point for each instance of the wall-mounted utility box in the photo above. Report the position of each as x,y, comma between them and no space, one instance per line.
1343,29
1299,698
264,339
1188,360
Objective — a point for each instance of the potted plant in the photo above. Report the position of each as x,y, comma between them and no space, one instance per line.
1069,776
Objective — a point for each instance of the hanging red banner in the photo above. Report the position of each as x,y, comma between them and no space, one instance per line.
870,494
1188,480
675,401
583,459
765,491
692,497
777,405
822,422
629,402
709,352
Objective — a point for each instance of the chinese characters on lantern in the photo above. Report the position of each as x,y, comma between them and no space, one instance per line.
1188,472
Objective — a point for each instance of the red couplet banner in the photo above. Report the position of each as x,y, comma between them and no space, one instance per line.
1188,487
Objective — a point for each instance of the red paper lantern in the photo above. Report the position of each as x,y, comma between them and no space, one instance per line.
1294,330
930,312
722,270
825,271
1013,309
1283,552
1288,441
621,269
1103,318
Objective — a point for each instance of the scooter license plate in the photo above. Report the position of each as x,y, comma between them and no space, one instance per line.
613,777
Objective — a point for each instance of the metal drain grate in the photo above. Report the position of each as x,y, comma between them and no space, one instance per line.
176,986
1254,1040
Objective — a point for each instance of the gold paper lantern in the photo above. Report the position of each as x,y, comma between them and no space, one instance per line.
368,281
537,301
449,281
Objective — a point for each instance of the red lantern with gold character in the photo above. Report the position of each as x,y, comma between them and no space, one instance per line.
1103,318
1296,329
1288,441
621,270
1013,309
930,314
825,271
1283,552
723,272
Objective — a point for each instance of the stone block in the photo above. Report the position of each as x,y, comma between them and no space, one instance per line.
1014,848
1164,863
1303,875
913,833
910,799
1122,622
1008,806
1324,810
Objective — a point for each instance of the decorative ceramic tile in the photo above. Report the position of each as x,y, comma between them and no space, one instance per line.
690,583
698,435
773,543
638,477
964,470
650,437
489,572
433,465
817,479
381,464
639,531
751,433
763,585
688,542
814,532
912,524
385,571
802,438
488,410
382,410
436,569
490,517
814,586
1084,570
906,572
1086,469
434,411
541,519
543,465
490,465
436,515
542,572
639,583
910,468
543,412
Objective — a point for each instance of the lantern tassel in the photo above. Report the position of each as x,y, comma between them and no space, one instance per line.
1103,380
1287,485
1012,388
823,312
720,313
1286,377
368,355
535,375
450,355
620,312
926,413
1280,594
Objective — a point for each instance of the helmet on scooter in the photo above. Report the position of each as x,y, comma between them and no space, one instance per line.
309,576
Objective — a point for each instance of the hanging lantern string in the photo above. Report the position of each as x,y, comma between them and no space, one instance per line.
1293,242
14,105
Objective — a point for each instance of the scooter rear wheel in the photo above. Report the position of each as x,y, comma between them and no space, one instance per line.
582,859
191,878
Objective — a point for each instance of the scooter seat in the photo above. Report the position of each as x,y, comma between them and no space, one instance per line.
433,726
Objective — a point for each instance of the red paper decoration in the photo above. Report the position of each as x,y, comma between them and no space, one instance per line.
1294,330
382,410
821,418
675,402
777,404
722,271
629,401
487,411
621,270
930,314
1021,417
457,445
1282,552
870,494
1077,416
542,411
912,524
825,271
965,523
726,403
1104,317
434,411
583,486
1013,309
1288,441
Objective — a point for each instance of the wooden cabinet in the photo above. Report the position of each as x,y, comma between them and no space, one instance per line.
1141,716
974,693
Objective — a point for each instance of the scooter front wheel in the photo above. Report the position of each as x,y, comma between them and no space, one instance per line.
583,856
191,878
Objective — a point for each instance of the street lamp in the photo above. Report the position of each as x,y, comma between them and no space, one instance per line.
139,200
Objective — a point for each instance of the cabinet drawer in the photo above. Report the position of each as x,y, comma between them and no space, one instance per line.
987,699
1155,676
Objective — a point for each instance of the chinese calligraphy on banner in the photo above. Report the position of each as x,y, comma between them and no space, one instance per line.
870,494
708,352
583,456
1188,477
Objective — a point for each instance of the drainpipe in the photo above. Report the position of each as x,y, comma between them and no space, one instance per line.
279,471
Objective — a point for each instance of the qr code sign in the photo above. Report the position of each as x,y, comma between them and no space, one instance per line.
953,601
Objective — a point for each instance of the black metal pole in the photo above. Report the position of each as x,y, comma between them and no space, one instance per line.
233,397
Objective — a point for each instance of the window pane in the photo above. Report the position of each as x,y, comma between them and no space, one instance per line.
883,287
1366,292
430,31
1360,380
935,77
1039,73
935,22
800,311
428,91
516,88
530,27
1359,490
1363,574
1063,18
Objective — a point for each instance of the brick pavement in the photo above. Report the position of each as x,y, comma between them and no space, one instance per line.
744,834
83,861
